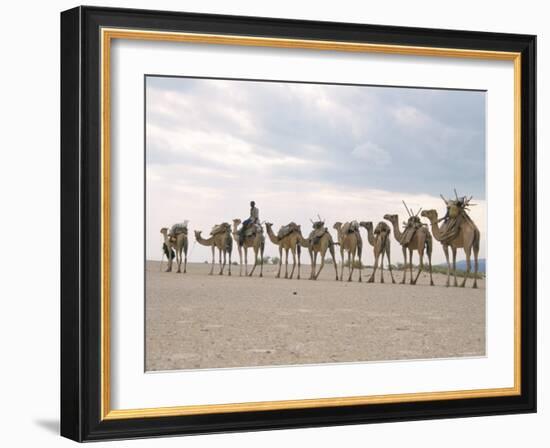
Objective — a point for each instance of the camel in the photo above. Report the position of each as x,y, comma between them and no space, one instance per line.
256,242
223,242
179,244
318,245
380,241
459,232
289,242
420,241
353,244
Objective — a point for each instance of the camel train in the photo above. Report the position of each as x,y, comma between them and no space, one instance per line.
455,230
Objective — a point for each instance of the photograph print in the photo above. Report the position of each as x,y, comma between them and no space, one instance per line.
292,223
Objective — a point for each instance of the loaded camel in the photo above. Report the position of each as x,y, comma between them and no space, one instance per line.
287,240
220,238
256,242
317,243
416,237
380,241
457,231
176,243
350,241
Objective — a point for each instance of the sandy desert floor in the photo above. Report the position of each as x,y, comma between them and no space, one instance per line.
196,321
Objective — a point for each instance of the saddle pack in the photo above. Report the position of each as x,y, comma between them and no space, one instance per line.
220,228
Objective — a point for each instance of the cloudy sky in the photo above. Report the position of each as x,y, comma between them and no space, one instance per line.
298,150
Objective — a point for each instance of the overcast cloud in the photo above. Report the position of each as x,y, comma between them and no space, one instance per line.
345,152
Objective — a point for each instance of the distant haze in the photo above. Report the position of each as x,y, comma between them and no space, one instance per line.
299,150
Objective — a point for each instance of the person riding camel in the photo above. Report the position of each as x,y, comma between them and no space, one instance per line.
252,220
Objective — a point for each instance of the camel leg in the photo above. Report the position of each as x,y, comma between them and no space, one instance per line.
178,260
342,266
320,267
280,262
331,249
240,261
351,262
229,265
454,264
404,265
446,252
293,251
299,250
411,266
313,264
420,266
221,265
213,260
185,262
245,250
475,268
382,267
261,260
371,278
359,249
389,263
467,250
286,262
430,266
255,263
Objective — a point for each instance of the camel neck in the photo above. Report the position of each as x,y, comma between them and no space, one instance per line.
396,231
274,239
370,236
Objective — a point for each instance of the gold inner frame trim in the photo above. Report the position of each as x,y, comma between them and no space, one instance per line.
107,35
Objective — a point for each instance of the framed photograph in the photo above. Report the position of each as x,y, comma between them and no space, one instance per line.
273,223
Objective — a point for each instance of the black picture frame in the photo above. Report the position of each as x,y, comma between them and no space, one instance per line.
81,224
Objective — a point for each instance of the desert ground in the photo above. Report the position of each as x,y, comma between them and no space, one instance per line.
197,321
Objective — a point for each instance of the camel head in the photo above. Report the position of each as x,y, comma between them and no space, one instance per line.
430,214
366,224
268,224
197,234
164,231
337,225
391,218
236,224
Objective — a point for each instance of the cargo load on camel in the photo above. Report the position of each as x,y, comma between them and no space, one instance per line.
178,229
350,227
411,226
454,218
287,230
220,228
317,233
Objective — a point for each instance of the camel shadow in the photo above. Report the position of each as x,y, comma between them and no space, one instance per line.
49,425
